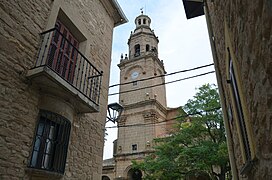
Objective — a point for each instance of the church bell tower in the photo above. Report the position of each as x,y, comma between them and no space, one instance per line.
143,96
142,63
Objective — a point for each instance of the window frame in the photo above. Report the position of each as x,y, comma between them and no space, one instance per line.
147,47
49,152
137,49
144,21
134,147
139,21
239,110
239,115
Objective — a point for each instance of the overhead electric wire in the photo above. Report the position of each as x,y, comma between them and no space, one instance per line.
190,77
182,116
163,75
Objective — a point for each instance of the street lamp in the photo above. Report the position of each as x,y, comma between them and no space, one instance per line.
114,112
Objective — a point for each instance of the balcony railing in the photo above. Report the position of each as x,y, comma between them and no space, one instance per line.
62,57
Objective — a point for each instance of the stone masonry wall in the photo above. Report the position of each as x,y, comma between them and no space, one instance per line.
21,23
85,154
250,25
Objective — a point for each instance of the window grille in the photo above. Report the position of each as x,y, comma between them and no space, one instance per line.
51,142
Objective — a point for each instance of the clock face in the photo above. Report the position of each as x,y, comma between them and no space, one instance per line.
134,74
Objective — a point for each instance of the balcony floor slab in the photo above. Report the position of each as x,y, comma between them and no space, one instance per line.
50,82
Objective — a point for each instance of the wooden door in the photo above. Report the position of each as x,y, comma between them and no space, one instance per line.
63,52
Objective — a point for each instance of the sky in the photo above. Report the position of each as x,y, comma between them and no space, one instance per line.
183,44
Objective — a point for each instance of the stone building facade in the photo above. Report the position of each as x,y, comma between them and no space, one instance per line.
241,41
53,93
146,115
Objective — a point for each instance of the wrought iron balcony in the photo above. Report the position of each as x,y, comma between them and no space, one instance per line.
61,69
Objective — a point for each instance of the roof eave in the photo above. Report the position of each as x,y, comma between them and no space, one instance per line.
123,18
115,11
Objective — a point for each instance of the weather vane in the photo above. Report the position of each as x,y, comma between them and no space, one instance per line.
142,10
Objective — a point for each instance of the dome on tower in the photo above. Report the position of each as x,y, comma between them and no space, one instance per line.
142,40
142,20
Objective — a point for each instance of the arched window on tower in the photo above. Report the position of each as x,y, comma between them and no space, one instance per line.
147,47
105,178
139,21
137,50
144,21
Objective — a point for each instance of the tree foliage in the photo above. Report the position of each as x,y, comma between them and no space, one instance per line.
197,148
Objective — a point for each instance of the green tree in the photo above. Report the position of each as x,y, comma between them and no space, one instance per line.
197,148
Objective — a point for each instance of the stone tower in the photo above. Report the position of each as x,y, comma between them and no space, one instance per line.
145,110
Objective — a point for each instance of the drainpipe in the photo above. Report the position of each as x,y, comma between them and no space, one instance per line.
221,93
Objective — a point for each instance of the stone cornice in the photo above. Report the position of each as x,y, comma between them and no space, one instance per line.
124,155
144,103
145,33
152,55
